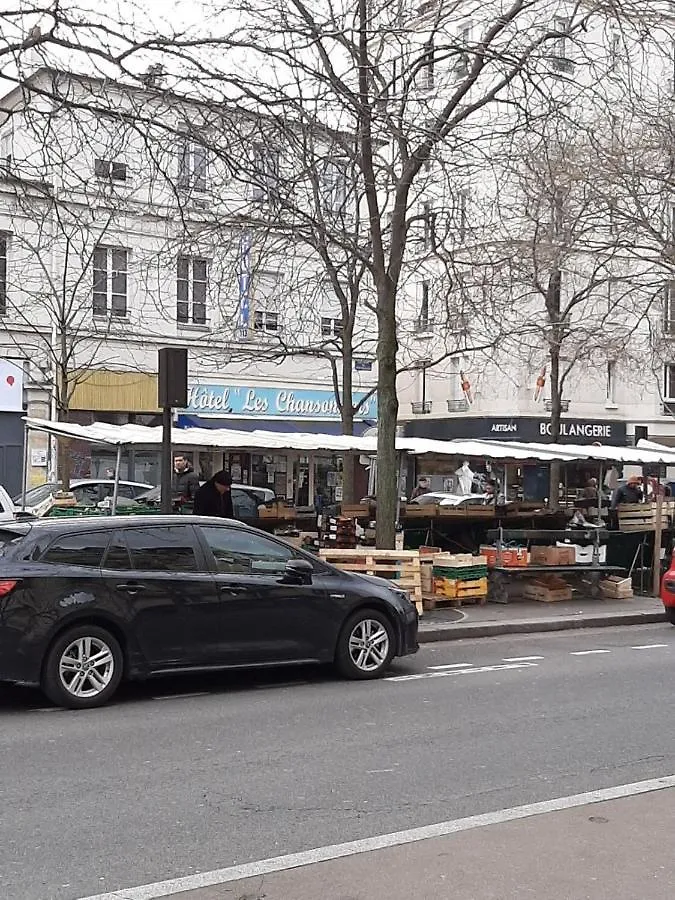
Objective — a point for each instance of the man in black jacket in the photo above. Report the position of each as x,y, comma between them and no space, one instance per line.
628,493
185,480
215,497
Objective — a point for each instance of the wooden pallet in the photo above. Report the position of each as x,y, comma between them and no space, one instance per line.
434,601
401,567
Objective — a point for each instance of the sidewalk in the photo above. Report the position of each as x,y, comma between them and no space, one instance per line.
526,617
614,850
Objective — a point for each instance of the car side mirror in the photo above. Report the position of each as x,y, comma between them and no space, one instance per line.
298,571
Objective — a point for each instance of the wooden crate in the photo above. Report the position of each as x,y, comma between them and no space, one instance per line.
616,588
355,510
401,567
640,517
419,511
457,593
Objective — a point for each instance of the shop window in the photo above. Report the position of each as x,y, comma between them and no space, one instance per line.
191,290
78,550
110,281
163,549
242,553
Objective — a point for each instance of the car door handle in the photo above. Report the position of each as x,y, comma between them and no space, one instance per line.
232,591
130,587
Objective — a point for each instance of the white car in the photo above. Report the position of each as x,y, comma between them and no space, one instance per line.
7,508
87,492
440,498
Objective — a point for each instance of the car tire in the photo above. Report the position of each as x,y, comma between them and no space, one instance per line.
83,668
670,614
365,647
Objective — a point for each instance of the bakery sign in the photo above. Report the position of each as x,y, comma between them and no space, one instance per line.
11,387
520,428
277,403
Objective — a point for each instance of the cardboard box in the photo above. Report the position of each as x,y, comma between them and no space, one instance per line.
552,556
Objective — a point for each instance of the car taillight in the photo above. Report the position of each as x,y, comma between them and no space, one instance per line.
6,587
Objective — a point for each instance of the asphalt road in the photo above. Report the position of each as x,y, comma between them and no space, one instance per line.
196,774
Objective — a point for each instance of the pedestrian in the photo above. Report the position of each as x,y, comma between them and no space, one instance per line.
215,497
421,488
185,480
110,473
628,493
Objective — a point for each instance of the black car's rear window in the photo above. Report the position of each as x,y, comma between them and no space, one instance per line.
81,549
10,535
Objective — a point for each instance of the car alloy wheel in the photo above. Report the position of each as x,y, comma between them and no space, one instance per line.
83,667
368,645
86,667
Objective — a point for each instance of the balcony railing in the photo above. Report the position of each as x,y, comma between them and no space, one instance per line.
421,408
564,405
457,406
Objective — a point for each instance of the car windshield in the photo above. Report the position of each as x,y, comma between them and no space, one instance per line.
38,494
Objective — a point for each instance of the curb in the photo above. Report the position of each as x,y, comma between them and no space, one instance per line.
532,626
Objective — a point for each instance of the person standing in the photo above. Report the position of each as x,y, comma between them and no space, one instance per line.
214,498
185,480
628,493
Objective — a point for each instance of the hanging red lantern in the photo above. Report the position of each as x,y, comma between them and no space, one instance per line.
541,381
466,387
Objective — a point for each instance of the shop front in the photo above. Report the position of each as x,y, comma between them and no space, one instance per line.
308,479
612,432
529,482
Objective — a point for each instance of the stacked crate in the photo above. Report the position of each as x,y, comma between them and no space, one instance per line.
459,578
338,533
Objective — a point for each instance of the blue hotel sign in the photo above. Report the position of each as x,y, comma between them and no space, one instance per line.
277,403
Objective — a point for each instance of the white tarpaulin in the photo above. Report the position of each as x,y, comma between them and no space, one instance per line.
230,439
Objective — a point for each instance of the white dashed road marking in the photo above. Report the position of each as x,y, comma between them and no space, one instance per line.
473,671
588,652
452,666
648,646
521,658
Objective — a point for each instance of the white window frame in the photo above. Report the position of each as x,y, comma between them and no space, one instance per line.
334,185
110,170
193,165
267,171
669,382
110,275
423,318
611,382
560,55
463,63
194,316
427,79
332,326
266,321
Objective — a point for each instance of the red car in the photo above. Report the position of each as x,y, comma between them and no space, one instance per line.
668,591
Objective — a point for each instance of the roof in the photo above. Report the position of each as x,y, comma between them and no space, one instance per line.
75,523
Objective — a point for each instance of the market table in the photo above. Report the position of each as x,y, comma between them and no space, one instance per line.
500,576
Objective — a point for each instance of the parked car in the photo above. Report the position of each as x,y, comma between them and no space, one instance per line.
87,602
7,509
245,499
442,498
87,491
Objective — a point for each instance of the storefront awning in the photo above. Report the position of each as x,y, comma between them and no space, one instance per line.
258,439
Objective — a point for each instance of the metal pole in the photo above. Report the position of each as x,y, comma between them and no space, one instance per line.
24,475
599,493
166,461
658,528
116,487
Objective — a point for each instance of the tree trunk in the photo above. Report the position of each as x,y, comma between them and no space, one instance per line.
387,416
347,413
553,305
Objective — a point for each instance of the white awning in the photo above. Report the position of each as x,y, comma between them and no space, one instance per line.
231,439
